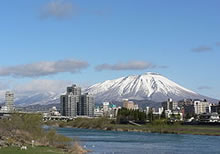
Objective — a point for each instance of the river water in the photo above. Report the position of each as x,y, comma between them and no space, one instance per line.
111,142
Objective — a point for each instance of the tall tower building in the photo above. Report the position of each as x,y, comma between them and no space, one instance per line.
73,103
86,106
9,101
68,104
74,89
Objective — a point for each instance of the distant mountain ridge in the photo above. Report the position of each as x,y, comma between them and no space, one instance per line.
43,98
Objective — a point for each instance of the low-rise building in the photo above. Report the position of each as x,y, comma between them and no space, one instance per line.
54,112
202,107
98,112
209,117
215,108
128,104
136,107
196,107
174,115
169,105
147,110
106,108
158,111
4,109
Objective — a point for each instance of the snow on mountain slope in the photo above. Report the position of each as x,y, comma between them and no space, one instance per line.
148,86
45,98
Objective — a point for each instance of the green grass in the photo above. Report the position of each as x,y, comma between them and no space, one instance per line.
30,150
158,126
155,127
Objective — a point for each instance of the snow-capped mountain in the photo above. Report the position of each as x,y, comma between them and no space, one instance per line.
148,86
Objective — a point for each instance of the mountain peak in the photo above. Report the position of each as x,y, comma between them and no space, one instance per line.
145,88
148,86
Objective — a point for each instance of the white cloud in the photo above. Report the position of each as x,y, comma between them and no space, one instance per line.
58,9
204,88
202,49
43,68
40,86
131,65
33,87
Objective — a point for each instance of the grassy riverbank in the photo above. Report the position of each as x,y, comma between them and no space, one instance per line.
76,149
30,150
159,126
26,129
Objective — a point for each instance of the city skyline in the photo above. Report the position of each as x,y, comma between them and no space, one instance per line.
54,43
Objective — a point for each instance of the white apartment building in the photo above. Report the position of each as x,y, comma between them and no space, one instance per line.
202,107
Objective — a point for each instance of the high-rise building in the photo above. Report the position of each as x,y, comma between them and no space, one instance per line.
9,101
87,105
69,104
74,89
73,103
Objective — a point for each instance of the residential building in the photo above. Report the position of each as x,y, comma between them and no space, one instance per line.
9,101
98,112
175,115
192,107
136,107
74,89
189,110
113,111
3,109
215,108
54,112
202,107
73,103
69,104
185,102
158,111
105,107
209,117
128,104
86,106
147,110
170,105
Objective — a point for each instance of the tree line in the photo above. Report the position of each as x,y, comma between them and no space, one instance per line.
125,115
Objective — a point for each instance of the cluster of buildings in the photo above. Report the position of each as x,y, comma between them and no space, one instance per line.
107,109
188,108
74,103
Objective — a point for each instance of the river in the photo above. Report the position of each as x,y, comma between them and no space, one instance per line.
111,142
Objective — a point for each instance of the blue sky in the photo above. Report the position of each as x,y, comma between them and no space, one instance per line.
178,39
